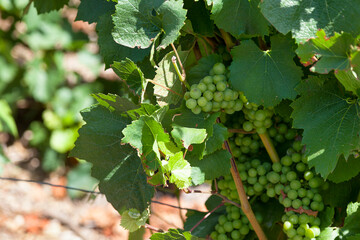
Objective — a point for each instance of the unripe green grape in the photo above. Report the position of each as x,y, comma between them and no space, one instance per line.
211,87
314,206
302,192
196,110
303,218
287,202
235,235
191,103
219,68
195,93
300,231
251,191
279,138
222,220
296,157
251,114
222,236
214,235
187,96
208,107
261,170
237,224
287,225
291,133
292,194
248,126
261,130
244,230
193,86
252,172
228,227
235,215
283,178
218,78
252,180
246,141
270,192
285,169
273,177
297,237
286,161
216,105
310,194
316,221
228,94
221,86
291,233
287,188
295,184
306,201
258,187
317,197
243,176
308,175
258,123
207,79
224,104
296,203
315,182
272,132
268,122
234,195
263,180
300,167
202,101
284,218
211,72
294,219
218,96
282,128
231,104
260,115
221,229
208,95
254,145
278,188
297,146
291,176
277,167
309,233
255,163
238,105
229,111
202,86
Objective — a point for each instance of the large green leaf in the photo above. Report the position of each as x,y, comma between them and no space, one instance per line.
333,52
43,6
130,74
213,165
110,50
199,17
331,124
265,77
117,167
139,22
91,10
239,17
304,17
168,88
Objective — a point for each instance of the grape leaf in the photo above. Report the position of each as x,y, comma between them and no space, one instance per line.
216,141
326,216
205,227
138,22
202,69
213,165
328,233
131,74
199,17
186,136
132,220
239,17
91,10
350,80
116,166
44,6
197,176
173,234
142,135
180,170
110,50
113,101
351,166
331,124
168,88
333,52
7,122
265,77
304,17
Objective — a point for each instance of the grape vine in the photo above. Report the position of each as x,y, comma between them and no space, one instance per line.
260,98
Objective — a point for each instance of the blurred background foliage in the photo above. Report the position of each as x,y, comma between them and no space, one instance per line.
49,67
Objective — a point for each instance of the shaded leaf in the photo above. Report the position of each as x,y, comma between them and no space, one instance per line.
43,6
351,167
91,10
173,234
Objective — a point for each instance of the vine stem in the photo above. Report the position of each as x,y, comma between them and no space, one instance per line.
148,226
269,146
245,205
183,74
206,216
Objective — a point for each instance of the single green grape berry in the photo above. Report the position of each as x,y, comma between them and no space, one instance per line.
294,219
191,103
303,218
224,104
221,86
292,194
287,225
277,167
268,122
309,233
228,227
214,235
207,79
237,223
252,180
260,115
218,78
278,188
302,192
296,157
317,197
211,87
187,96
208,107
244,230
295,184
258,187
286,161
202,101
231,104
258,123
202,87
291,176
208,95
219,68
291,233
235,235
228,94
314,206
282,128
310,194
229,111
315,182
273,177
287,202
308,175
196,110
222,236
195,93
261,130
270,192
218,97
248,126
238,105
306,201
300,167
296,203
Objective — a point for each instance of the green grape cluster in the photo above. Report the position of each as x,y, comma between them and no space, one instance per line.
257,118
245,144
213,93
233,225
281,131
253,176
301,226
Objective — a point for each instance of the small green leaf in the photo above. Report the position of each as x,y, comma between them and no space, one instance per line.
173,234
326,217
110,50
265,77
130,74
205,227
331,124
186,136
138,22
218,138
168,88
332,52
7,122
91,10
239,17
199,17
115,102
132,220
304,17
180,170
